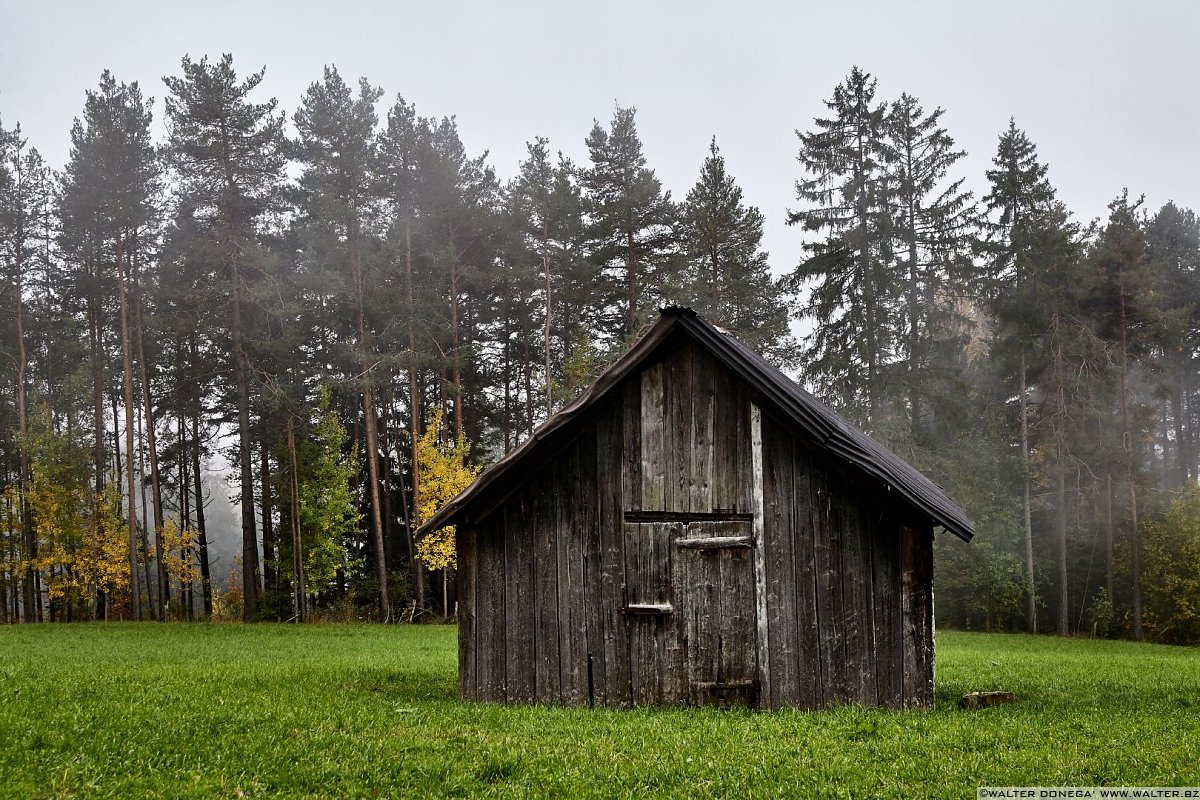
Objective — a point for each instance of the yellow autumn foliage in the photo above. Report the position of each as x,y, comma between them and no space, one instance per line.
82,542
443,472
178,549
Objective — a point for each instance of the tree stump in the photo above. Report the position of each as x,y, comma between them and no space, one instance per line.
986,699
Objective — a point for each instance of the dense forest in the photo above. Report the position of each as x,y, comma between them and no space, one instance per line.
355,314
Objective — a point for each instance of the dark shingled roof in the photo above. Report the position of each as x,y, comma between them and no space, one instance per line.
826,431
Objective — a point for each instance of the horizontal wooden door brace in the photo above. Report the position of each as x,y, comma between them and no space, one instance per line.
687,516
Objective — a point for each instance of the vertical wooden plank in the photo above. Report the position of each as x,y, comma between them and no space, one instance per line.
889,658
693,598
611,455
923,563
857,598
547,686
677,445
629,411
671,658
908,626
917,606
635,630
590,482
655,658
762,641
519,599
737,623
700,478
744,484
653,440
726,476
465,546
572,632
779,486
807,627
490,615
827,558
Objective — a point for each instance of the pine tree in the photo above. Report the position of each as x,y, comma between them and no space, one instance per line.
24,183
631,223
727,274
337,202
401,149
229,159
1173,250
547,208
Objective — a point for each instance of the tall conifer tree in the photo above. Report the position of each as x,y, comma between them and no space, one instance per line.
1019,194
846,197
727,274
631,222
228,154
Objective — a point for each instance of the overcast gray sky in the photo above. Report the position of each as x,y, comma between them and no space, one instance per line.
1107,90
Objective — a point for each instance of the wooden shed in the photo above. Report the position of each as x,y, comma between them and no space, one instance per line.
697,529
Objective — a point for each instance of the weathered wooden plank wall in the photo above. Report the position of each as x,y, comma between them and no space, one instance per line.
490,655
465,546
576,590
867,633
519,599
917,605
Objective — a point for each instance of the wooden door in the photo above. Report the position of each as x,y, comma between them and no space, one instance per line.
714,597
651,622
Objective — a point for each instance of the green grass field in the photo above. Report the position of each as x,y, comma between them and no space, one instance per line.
230,711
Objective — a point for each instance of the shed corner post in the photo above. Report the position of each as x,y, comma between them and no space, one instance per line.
760,575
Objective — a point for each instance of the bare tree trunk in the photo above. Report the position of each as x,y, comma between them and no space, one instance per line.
414,410
250,570
299,591
153,589
270,557
914,335
1182,473
152,448
98,431
549,316
1030,585
1108,544
1061,498
185,514
383,408
201,528
631,286
1131,475
455,355
31,590
370,422
130,484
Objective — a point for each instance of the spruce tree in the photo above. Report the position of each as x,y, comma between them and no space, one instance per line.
546,206
1019,193
934,225
631,223
854,291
